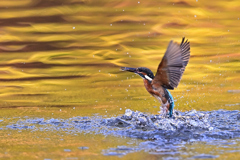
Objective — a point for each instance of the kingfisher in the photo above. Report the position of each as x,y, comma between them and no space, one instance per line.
168,76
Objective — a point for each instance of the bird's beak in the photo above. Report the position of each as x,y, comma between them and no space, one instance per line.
129,69
134,70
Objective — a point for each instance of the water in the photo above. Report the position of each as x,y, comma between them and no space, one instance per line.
184,126
162,135
60,62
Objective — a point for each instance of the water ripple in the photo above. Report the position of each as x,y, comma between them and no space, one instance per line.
184,126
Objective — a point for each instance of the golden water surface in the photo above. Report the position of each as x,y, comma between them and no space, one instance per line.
62,58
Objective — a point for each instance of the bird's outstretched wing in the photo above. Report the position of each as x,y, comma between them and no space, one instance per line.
173,64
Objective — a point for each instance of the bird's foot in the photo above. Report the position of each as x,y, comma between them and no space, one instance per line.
163,111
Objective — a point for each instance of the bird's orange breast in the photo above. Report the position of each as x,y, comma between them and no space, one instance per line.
155,92
148,86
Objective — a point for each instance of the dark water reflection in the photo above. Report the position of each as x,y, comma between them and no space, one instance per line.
61,59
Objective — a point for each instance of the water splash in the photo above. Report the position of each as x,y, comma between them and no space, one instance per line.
162,135
183,126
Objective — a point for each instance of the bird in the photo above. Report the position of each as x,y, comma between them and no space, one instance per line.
168,76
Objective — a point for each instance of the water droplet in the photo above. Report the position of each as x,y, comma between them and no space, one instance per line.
210,60
195,16
138,2
99,70
73,27
110,24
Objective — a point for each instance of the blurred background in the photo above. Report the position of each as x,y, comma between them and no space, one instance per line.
62,58
68,53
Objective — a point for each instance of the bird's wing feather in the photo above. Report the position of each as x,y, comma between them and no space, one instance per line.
173,64
185,47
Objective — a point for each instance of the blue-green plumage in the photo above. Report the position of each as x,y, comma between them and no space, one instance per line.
171,102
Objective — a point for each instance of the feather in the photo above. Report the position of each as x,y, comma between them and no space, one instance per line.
173,64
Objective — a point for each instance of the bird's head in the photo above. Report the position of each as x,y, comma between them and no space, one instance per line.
144,72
